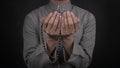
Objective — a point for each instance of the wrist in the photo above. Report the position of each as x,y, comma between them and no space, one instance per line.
68,44
51,43
68,40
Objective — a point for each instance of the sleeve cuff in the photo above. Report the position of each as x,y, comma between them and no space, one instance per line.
78,57
39,51
78,50
39,58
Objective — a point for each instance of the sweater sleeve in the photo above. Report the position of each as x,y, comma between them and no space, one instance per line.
83,50
33,52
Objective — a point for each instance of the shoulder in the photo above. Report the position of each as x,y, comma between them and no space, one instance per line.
33,17
84,15
37,11
35,14
82,11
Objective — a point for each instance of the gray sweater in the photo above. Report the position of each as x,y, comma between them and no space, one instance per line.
84,39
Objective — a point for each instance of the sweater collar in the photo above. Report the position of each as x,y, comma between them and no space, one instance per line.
56,7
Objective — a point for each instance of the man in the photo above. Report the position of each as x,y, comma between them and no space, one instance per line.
47,25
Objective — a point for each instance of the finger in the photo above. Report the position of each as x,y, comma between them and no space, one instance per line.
62,27
60,24
42,20
47,19
78,20
51,21
75,20
55,24
70,22
58,28
65,23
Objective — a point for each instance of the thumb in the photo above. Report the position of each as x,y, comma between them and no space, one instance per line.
42,20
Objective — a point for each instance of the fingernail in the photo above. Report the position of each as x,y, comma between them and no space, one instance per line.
50,13
68,12
55,11
64,13
58,13
60,16
71,13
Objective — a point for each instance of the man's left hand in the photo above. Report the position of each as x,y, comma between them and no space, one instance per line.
68,27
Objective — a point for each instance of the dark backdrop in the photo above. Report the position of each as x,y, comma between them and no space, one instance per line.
106,53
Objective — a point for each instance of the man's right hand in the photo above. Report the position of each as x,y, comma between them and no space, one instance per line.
50,26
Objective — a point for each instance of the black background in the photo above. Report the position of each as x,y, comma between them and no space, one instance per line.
106,53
